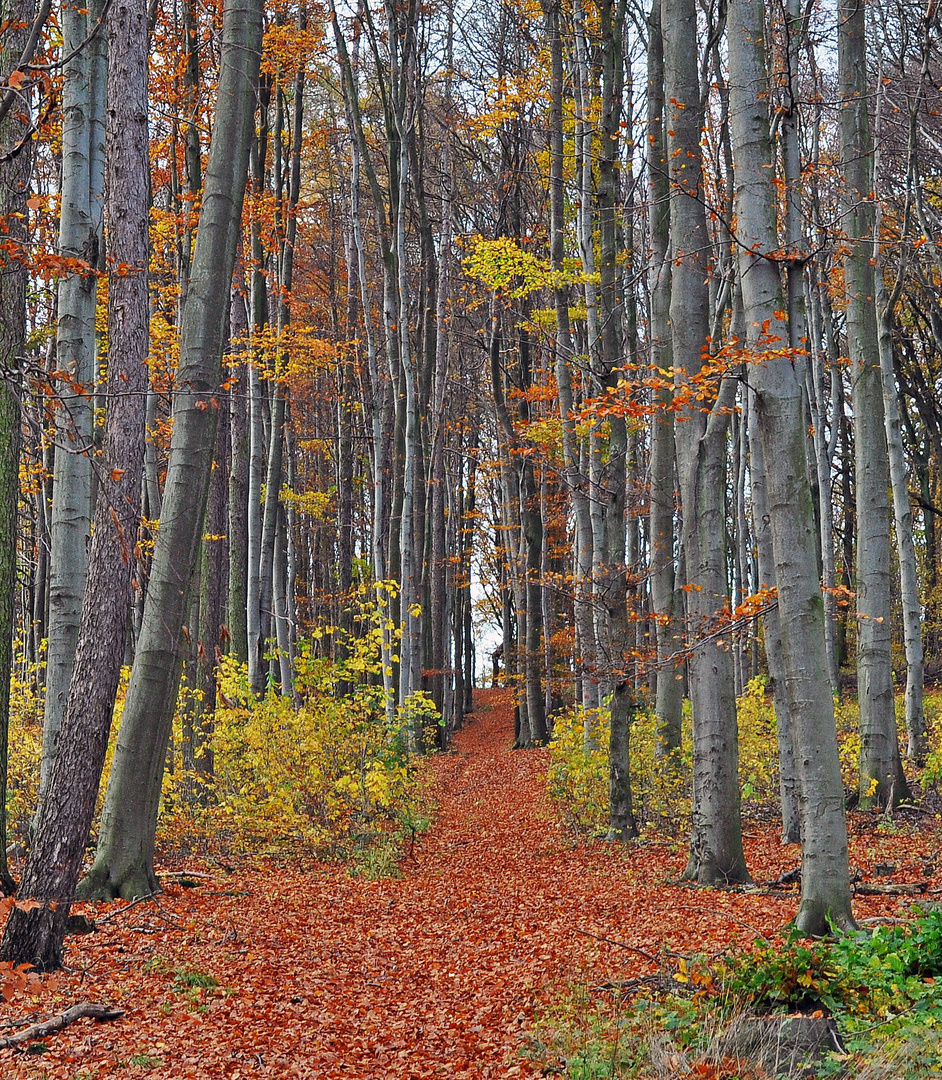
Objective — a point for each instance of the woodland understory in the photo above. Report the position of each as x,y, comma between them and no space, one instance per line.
505,945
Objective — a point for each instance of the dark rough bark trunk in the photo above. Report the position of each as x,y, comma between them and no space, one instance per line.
14,189
124,862
65,813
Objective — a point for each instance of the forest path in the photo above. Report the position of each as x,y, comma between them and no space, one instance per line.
438,973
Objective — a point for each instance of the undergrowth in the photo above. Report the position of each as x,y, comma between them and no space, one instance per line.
865,1005
578,773
326,769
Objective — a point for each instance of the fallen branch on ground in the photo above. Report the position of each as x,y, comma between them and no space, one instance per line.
906,889
620,944
127,907
57,1023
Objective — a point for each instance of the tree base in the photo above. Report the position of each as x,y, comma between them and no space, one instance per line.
132,883
35,936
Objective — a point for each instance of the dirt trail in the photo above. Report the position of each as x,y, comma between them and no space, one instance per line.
436,974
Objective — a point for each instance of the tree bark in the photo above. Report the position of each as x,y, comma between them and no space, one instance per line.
65,811
124,861
781,427
80,237
716,841
882,782
15,172
666,601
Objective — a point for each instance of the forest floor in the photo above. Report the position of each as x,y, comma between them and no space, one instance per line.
302,970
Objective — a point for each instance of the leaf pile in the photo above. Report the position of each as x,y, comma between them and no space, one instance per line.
304,971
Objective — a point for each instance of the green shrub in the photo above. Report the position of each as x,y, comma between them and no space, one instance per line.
879,987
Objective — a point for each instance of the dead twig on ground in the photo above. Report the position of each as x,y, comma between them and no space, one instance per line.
57,1023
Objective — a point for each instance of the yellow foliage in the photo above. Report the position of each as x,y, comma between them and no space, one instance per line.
291,352
578,774
332,773
505,267
315,504
758,760
25,752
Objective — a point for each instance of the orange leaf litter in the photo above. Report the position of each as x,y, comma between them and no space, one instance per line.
439,973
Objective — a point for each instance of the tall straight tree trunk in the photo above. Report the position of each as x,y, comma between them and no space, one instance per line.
917,736
258,403
784,724
237,522
287,218
916,729
781,425
124,861
211,605
716,841
379,414
825,446
881,782
15,173
531,525
80,237
390,226
613,592
65,811
575,481
665,599
401,72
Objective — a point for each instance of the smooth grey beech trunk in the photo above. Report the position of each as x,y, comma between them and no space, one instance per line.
825,446
781,425
882,782
237,512
124,861
784,725
66,808
410,645
80,234
716,853
617,635
574,480
916,731
258,410
389,451
379,412
666,601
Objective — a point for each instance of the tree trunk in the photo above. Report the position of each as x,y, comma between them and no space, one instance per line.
80,236
781,427
65,812
716,841
15,172
917,735
237,524
124,862
882,782
784,725
665,599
